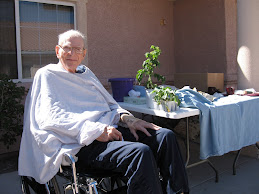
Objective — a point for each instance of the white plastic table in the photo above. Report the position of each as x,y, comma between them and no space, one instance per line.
182,113
179,114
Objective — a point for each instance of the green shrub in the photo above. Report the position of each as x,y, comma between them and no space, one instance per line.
11,110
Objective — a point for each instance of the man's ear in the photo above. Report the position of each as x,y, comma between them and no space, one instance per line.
84,54
57,49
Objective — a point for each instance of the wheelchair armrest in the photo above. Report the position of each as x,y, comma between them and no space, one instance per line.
68,159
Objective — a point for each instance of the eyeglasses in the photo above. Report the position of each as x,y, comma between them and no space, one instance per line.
67,49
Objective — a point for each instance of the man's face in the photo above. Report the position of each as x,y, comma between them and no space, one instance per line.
71,53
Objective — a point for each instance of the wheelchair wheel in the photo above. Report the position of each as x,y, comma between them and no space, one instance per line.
30,186
53,186
25,186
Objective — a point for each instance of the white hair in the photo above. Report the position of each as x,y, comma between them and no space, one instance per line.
69,34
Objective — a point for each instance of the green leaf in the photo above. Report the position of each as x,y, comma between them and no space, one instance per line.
149,66
11,110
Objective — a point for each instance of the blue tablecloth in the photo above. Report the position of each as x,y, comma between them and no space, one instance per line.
226,124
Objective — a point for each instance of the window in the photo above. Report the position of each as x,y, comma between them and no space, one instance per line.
8,56
38,24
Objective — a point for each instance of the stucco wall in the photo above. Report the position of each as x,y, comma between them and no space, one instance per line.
231,73
120,32
248,44
205,37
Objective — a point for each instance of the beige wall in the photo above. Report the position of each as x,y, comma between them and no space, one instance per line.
231,73
248,44
205,37
120,32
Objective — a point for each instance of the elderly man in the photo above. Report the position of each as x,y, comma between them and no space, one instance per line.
67,110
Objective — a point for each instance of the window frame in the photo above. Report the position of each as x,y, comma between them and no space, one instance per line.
18,33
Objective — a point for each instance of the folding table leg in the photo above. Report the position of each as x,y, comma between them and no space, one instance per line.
187,143
235,161
188,154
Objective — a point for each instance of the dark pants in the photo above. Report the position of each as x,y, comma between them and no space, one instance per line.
140,161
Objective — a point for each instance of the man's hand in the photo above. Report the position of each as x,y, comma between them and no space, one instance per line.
110,134
136,124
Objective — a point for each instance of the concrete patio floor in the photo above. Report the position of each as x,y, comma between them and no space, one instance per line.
246,180
201,177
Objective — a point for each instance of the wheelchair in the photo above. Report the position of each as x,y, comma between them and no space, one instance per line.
81,182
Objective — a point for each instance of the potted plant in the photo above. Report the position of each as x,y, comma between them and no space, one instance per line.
166,98
149,66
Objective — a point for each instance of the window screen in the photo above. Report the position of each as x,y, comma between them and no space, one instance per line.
8,57
40,24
